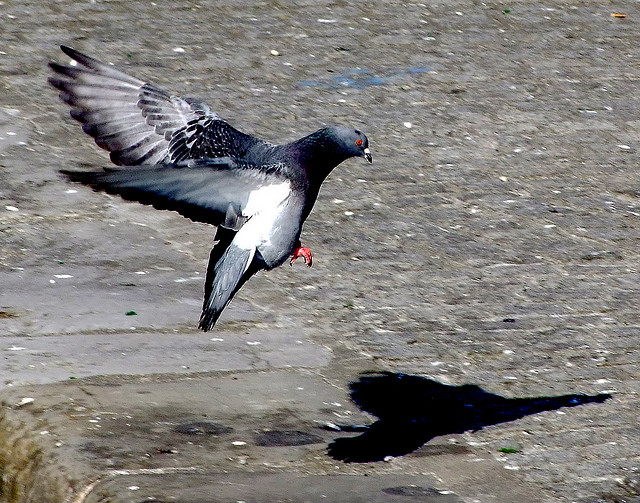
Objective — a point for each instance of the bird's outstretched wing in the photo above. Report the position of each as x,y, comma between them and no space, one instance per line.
139,123
214,191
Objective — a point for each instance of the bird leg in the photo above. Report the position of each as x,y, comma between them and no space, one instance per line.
305,253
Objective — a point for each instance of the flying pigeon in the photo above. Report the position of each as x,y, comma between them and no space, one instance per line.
177,154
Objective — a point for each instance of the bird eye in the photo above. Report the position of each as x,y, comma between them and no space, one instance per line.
358,142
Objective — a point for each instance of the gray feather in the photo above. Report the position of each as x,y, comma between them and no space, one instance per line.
137,121
228,273
213,191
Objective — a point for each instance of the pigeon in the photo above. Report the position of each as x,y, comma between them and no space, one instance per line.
176,154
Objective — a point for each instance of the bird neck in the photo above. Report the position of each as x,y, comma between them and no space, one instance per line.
317,153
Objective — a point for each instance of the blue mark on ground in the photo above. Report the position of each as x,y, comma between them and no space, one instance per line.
359,78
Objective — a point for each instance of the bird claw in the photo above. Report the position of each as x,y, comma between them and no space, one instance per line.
305,253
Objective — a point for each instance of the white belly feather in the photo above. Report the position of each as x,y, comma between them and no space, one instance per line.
263,208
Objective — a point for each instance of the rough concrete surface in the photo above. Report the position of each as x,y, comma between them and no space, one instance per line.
493,242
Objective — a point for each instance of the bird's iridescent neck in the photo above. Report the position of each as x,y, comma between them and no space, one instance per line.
317,154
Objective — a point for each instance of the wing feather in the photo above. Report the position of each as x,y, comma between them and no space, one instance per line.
140,123
213,191
130,118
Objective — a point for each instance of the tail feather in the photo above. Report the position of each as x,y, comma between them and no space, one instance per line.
229,274
222,241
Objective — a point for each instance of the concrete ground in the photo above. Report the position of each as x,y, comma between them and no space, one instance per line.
493,242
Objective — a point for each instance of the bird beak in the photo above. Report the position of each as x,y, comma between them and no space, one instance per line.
366,153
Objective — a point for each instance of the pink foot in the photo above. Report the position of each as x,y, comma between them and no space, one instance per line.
305,253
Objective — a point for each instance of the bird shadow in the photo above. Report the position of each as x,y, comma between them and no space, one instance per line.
411,410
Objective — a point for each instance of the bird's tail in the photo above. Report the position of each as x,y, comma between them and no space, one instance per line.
223,282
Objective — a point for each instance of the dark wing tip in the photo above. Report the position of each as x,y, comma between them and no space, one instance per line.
85,177
59,84
83,59
72,53
67,71
56,67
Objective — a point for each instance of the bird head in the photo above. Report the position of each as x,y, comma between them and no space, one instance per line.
353,141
